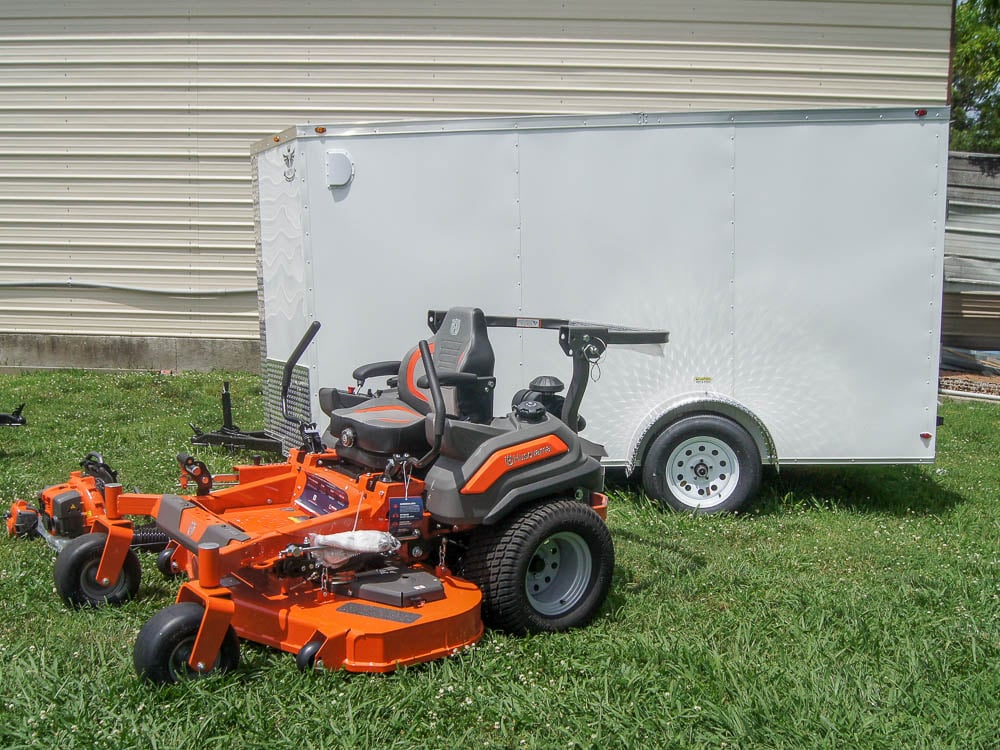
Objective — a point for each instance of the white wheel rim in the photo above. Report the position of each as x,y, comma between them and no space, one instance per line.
702,472
558,574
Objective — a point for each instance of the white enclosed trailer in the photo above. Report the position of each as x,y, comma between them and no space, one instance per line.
795,257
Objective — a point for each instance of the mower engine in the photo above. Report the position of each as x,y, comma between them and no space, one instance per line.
64,511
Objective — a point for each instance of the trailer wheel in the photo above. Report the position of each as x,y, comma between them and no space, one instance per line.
704,464
76,574
544,569
165,642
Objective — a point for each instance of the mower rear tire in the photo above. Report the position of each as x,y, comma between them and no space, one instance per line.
546,568
164,646
76,574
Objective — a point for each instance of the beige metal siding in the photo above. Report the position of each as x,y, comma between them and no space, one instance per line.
125,126
972,253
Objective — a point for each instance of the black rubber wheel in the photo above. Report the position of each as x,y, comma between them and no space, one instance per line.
163,563
76,570
542,569
702,464
165,642
305,660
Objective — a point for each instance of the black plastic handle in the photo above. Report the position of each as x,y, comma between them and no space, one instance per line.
286,377
435,388
437,399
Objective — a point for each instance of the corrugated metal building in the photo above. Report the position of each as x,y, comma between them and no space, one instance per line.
972,253
126,224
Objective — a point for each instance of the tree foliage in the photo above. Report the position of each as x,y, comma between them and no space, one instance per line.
976,77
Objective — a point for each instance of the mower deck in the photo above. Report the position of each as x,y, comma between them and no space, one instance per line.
357,633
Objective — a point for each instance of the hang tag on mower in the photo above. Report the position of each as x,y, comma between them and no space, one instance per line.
405,514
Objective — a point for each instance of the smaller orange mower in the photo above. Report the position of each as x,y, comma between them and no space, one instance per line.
389,540
74,508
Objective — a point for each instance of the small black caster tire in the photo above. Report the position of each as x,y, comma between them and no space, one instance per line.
164,563
165,642
76,574
305,660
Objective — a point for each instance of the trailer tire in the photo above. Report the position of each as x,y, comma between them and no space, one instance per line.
165,642
546,568
76,574
702,464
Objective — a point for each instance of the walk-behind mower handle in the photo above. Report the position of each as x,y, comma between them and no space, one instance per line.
437,398
286,376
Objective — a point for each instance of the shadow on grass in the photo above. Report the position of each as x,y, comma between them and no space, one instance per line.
894,490
891,490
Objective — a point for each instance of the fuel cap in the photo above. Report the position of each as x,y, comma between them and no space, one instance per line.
546,384
530,411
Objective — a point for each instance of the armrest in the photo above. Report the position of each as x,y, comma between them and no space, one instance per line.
376,369
331,399
450,378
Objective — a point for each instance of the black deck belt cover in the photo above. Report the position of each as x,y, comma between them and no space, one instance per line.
169,519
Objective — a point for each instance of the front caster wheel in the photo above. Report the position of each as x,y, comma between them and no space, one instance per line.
76,574
703,464
165,643
305,660
165,563
546,568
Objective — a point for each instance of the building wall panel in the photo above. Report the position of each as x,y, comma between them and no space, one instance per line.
972,252
125,126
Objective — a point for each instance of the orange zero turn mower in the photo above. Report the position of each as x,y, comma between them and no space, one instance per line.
390,539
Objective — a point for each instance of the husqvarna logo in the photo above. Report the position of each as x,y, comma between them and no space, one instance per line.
455,327
518,458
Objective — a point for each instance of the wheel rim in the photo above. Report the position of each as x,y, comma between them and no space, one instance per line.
558,574
703,472
177,663
93,590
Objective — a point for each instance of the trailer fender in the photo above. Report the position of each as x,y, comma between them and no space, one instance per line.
691,404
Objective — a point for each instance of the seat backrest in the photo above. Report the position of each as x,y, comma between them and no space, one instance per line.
461,344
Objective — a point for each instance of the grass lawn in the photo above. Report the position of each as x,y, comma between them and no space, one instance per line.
849,607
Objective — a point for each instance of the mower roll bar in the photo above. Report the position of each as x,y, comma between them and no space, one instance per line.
610,334
585,343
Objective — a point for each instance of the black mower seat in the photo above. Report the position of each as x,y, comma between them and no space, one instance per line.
381,425
395,424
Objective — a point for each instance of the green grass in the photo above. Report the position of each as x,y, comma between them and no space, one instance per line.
848,607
